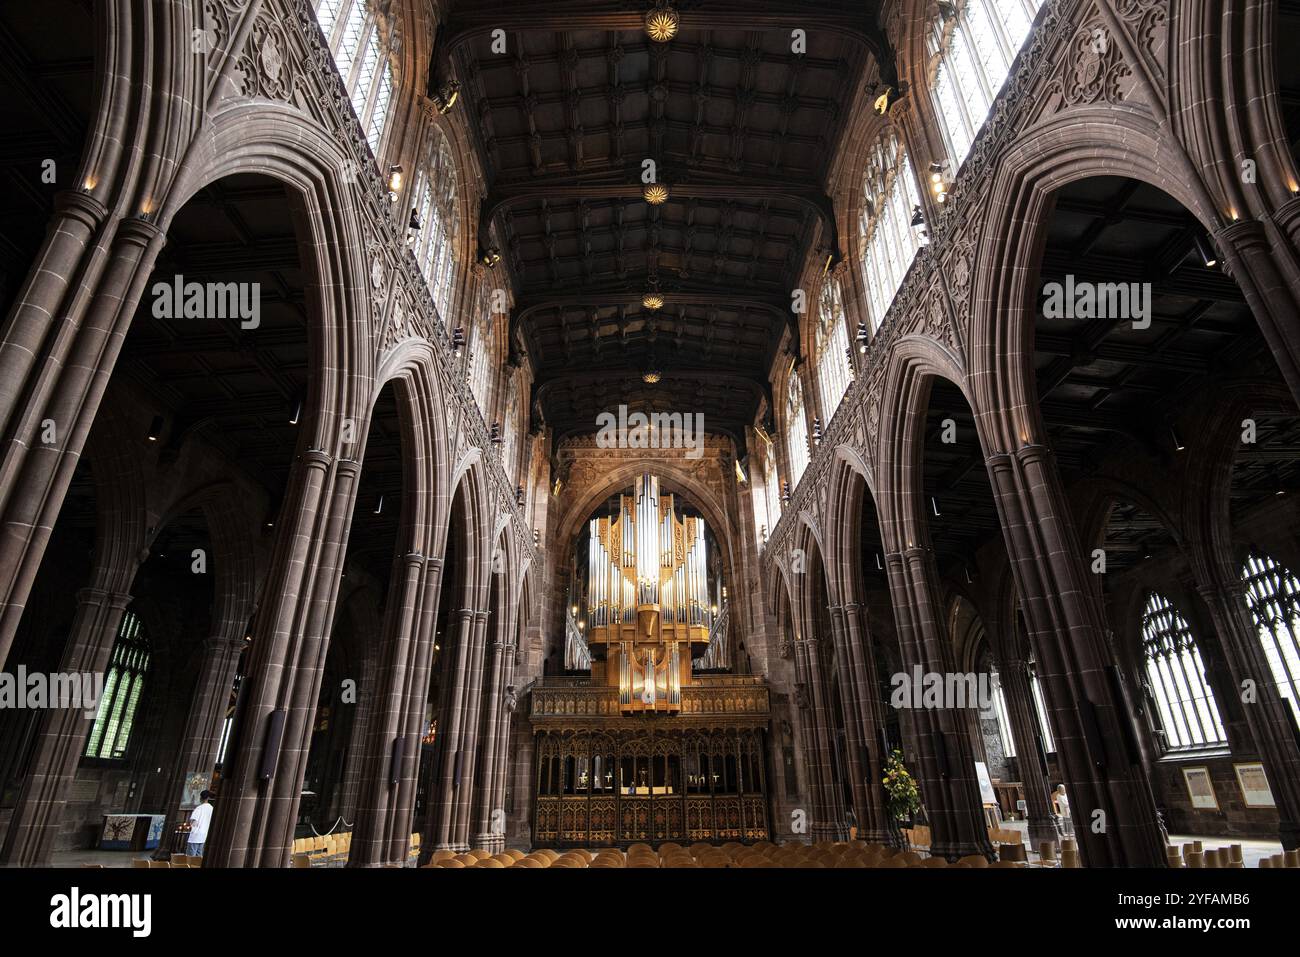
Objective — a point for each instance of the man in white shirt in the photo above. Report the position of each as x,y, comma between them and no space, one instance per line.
200,818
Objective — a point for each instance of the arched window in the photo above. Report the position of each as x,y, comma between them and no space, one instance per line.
123,686
511,427
771,492
1176,677
970,55
1000,712
1273,594
481,349
360,46
886,236
796,430
437,222
832,348
1040,708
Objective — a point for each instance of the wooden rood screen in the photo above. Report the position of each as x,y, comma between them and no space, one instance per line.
602,778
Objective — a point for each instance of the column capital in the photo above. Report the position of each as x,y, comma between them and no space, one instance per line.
1241,235
101,596
414,559
139,231
82,205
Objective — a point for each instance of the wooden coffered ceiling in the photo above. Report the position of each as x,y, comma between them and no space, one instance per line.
740,128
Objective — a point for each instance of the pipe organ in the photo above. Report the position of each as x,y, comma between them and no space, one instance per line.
644,749
647,598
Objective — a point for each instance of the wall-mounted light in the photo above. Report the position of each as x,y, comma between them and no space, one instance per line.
863,337
934,504
652,301
785,493
519,495
457,341
155,428
296,413
1178,443
413,226
496,436
490,257
651,376
379,505
446,97
394,181
939,181
817,430
1208,257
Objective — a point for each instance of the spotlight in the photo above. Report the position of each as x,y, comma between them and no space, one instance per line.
574,610
785,493
155,428
934,504
661,23
817,430
497,438
863,337
446,98
394,180
918,217
886,100
1204,251
379,506
519,495
297,412
457,340
490,257
1178,443
656,194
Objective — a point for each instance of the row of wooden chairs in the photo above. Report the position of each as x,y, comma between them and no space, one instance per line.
331,850
1195,855
855,854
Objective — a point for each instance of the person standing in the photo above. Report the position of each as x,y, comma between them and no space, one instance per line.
200,818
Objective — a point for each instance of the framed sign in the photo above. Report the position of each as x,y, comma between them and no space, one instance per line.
1200,789
1254,785
987,796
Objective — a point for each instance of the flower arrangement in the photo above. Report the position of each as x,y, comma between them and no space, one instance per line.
902,797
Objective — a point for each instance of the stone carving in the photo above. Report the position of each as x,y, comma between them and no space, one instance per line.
1095,70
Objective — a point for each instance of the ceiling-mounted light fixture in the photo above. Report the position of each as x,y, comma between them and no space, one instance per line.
652,301
651,376
297,412
656,194
496,436
817,430
662,23
379,505
1178,443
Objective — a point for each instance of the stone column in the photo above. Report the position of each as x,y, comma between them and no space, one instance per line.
1250,259
1270,723
828,805
471,730
359,737
206,718
1013,674
949,788
38,813
873,823
490,824
387,734
1091,718
415,704
253,824
442,808
64,386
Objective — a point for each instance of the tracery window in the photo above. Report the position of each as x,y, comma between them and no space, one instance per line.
1176,678
796,430
512,427
481,350
1273,595
123,686
887,239
360,47
832,348
438,222
771,491
1003,718
970,55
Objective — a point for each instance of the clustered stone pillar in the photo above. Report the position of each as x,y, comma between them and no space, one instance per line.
949,789
1092,722
442,816
34,826
863,720
253,824
389,747
490,813
61,380
828,804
